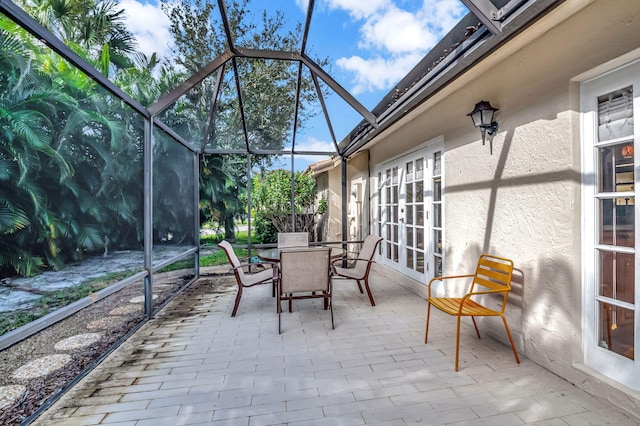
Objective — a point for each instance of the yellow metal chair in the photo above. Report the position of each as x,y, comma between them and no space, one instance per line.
493,274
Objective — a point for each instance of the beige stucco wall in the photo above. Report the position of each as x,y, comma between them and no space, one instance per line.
334,205
523,200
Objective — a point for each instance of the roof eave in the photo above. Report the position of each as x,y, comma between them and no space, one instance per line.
477,47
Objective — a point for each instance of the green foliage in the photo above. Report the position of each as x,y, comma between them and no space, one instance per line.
268,92
71,154
271,194
264,230
71,160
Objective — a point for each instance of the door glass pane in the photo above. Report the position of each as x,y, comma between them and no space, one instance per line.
409,215
420,214
419,168
437,189
616,168
437,163
617,276
616,329
419,192
409,192
409,170
420,238
437,212
615,114
617,222
437,239
420,262
409,262
410,237
437,266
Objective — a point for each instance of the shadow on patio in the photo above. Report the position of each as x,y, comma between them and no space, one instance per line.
195,364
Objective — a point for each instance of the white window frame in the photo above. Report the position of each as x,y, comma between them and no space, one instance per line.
608,363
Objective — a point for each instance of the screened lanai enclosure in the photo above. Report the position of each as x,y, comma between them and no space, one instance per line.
113,157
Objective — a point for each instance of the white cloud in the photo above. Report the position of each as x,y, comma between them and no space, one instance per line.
150,26
377,73
315,145
442,15
393,39
358,9
396,31
303,5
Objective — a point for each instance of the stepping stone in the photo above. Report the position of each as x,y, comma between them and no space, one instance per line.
106,323
125,310
10,394
78,341
42,366
140,299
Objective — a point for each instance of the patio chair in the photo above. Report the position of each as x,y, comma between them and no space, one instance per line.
304,270
493,275
358,264
293,239
248,280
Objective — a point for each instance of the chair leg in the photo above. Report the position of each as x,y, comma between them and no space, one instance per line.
426,332
458,342
506,327
366,284
476,326
238,296
279,309
331,308
359,286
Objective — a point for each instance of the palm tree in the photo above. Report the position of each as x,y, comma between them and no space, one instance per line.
95,30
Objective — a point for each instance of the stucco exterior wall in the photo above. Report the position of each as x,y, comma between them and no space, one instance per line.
523,200
334,205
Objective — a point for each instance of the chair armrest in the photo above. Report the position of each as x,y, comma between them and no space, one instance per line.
245,265
477,293
342,259
347,255
443,279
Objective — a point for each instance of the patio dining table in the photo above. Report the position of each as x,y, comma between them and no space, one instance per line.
273,254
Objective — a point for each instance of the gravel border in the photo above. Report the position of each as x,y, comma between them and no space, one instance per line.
37,389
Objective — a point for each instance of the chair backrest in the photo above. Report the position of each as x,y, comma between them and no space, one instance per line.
233,259
367,252
293,239
494,273
304,269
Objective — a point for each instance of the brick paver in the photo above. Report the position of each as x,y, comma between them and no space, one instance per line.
194,364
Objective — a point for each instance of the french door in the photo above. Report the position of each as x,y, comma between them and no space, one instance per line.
409,213
610,111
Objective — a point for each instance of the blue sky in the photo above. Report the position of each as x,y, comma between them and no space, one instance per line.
371,45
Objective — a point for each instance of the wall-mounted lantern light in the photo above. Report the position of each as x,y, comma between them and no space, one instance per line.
482,116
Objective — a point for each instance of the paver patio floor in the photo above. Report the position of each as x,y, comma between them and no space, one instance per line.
194,364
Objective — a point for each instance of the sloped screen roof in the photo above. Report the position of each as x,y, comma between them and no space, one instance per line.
261,81
269,82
